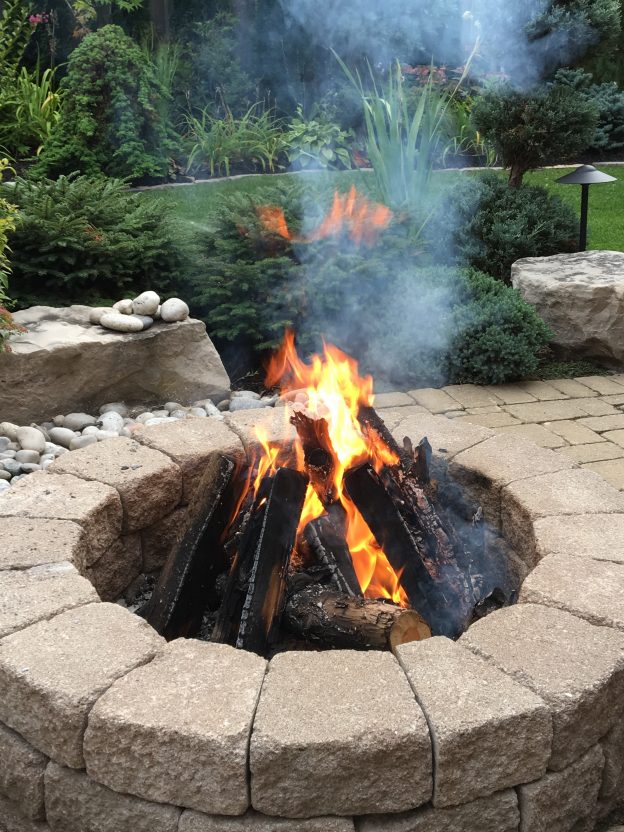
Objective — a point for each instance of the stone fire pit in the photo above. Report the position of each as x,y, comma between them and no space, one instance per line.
106,728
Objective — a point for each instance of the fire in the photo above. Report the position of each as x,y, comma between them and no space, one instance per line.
351,215
330,388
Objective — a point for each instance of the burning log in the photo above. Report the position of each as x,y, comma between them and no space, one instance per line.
254,597
405,525
329,547
186,586
338,621
318,459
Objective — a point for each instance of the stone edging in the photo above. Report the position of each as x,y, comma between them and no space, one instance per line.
103,725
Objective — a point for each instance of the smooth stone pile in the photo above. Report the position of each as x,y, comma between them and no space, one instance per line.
139,314
24,450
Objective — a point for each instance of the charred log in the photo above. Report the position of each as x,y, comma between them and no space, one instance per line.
317,454
186,586
254,598
328,546
330,619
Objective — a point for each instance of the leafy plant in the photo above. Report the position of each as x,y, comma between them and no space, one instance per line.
218,144
608,98
531,128
83,240
15,34
466,141
7,225
317,143
112,119
29,112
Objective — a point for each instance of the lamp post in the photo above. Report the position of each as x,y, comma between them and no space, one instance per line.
585,176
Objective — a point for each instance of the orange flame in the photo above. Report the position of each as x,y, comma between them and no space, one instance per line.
351,215
331,388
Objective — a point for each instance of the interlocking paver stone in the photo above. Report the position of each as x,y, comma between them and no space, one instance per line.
546,411
573,432
273,422
613,772
491,420
599,536
177,730
436,401
496,733
254,822
597,407
542,390
538,434
472,395
561,800
159,540
605,385
117,568
575,667
191,444
30,595
95,507
596,452
393,400
601,424
52,673
572,388
76,803
612,470
338,733
28,542
446,435
575,491
616,436
509,393
591,589
21,773
148,482
14,821
498,813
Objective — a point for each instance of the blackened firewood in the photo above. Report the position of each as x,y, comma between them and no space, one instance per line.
317,454
330,549
330,619
254,598
186,586
408,530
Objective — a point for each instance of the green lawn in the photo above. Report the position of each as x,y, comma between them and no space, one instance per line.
606,202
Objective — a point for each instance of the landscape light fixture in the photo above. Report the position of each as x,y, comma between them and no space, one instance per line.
585,176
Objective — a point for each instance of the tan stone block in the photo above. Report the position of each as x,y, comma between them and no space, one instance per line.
560,800
480,411
616,436
596,452
597,407
21,774
191,444
117,568
52,673
93,506
569,492
509,393
338,733
159,540
255,822
148,482
496,734
605,385
572,388
13,820
30,595
613,773
599,536
177,730
575,667
436,401
492,420
543,391
447,436
498,813
489,466
393,400
573,432
601,424
274,423
472,395
612,470
30,542
591,589
538,434
393,416
76,803
616,401
546,411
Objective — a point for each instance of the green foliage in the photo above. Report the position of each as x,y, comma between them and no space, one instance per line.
317,143
532,128
607,98
112,119
466,141
15,34
255,140
7,225
83,240
29,112
493,225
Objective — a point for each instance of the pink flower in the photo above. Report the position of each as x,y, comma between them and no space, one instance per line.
35,19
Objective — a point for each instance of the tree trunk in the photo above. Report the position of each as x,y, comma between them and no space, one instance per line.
516,174
160,13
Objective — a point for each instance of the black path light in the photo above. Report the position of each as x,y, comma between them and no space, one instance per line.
585,176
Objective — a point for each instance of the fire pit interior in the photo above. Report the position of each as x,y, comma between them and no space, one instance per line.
340,538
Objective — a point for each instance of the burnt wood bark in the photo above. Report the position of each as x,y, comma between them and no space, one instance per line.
254,598
335,620
186,586
317,454
328,546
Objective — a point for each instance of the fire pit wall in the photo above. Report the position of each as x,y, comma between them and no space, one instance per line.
107,727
